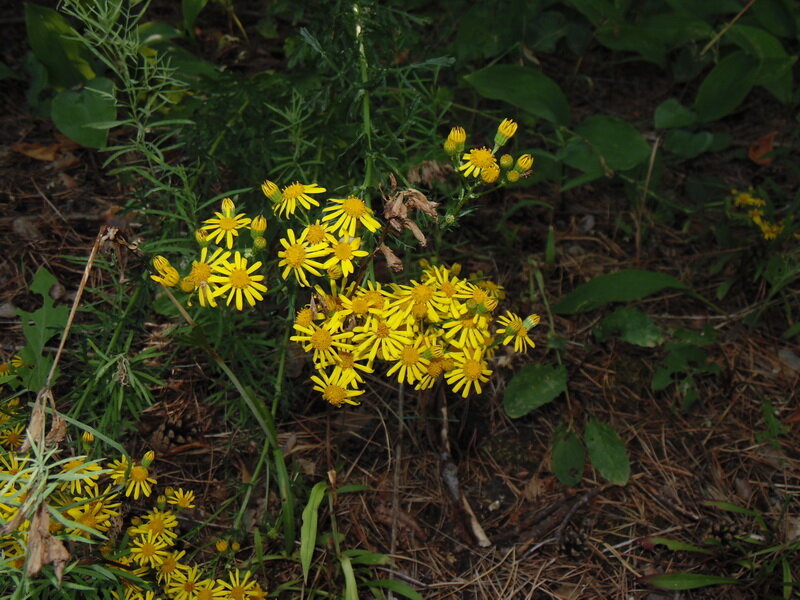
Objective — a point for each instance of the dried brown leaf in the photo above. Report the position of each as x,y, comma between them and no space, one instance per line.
43,548
395,264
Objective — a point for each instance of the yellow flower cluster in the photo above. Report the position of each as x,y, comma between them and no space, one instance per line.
483,162
755,206
440,326
88,497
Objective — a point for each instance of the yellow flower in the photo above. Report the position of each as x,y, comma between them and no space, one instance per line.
226,224
85,473
410,364
418,300
171,566
317,233
201,272
343,253
468,331
11,437
149,550
323,341
298,257
476,160
184,584
271,191
17,361
167,276
139,482
377,338
335,389
433,371
454,144
347,214
181,498
294,194
159,523
512,176
505,131
524,163
209,589
258,226
468,372
239,584
514,329
490,174
239,280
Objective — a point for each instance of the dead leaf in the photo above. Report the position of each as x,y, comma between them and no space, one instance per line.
43,548
760,148
38,151
395,264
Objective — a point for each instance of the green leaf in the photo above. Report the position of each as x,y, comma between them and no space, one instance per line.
39,327
55,44
621,36
567,457
775,16
607,452
775,65
725,86
398,587
598,11
685,581
622,286
7,73
308,531
523,87
671,113
79,114
533,386
650,543
616,141
191,9
687,144
632,326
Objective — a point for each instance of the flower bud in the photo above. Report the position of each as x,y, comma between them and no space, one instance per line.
148,458
258,226
512,176
335,272
451,147
506,162
490,174
187,285
228,208
531,321
87,437
221,545
201,237
271,191
505,131
524,163
259,244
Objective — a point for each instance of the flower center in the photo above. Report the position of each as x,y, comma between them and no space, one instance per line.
359,306
292,192
227,223
354,207
448,289
409,356
315,234
343,251
382,330
374,298
421,293
482,158
346,360
239,279
335,395
139,473
200,272
321,340
305,317
419,309
148,549
295,256
237,592
188,586
472,369
156,525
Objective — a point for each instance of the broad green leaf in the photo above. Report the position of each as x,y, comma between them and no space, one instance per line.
524,87
191,9
578,154
687,144
632,38
38,328
622,286
671,113
78,113
630,325
650,543
567,458
533,386
308,531
686,581
398,587
725,86
607,452
676,29
615,140
776,17
598,11
546,30
775,65
54,43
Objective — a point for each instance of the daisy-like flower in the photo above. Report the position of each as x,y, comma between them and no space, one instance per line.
323,341
138,482
343,253
298,257
11,437
346,366
17,361
149,550
294,194
181,498
168,275
225,225
437,366
318,233
468,331
239,281
94,511
210,589
514,329
347,214
201,272
476,160
184,584
430,301
377,338
468,372
82,475
239,584
454,144
171,566
490,174
335,390
410,364
159,523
